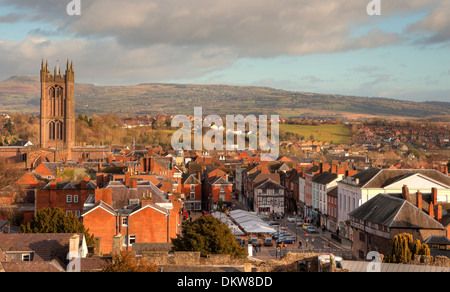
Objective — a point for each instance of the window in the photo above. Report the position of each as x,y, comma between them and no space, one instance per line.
192,195
131,239
77,213
75,198
26,257
124,221
192,188
362,237
69,199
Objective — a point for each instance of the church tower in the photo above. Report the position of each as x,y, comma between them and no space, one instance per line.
57,122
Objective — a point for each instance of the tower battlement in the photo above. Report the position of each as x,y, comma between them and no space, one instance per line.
46,75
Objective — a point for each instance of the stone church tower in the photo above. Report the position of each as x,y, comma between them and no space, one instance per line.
57,123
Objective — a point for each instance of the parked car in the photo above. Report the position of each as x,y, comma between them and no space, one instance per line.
254,241
279,234
298,222
291,219
268,241
311,229
278,216
305,226
286,240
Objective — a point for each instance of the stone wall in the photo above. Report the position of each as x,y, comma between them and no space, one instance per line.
181,258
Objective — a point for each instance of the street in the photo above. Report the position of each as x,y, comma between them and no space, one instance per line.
319,242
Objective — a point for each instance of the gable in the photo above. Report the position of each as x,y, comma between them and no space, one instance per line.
147,208
43,171
416,181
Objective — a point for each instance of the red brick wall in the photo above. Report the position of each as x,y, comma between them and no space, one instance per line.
149,225
215,191
101,224
57,199
186,190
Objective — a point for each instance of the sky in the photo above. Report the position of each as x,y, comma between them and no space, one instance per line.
322,46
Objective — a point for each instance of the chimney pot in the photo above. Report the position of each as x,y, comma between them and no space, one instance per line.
419,200
405,192
439,213
434,196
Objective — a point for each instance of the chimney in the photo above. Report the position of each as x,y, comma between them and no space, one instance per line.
431,210
133,183
98,246
74,243
53,185
321,167
99,167
146,199
438,213
264,167
405,192
419,200
434,196
117,244
127,178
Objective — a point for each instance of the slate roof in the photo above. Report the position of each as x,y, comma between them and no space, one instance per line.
325,178
268,184
71,185
122,193
380,178
393,212
39,267
43,245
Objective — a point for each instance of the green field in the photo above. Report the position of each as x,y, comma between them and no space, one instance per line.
337,134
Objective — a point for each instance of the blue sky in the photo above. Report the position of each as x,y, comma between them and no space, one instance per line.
322,46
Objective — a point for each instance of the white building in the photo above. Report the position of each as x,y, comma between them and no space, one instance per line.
356,190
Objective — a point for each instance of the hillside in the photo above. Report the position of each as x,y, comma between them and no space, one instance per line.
22,94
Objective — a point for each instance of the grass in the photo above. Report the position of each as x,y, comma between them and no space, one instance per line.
337,134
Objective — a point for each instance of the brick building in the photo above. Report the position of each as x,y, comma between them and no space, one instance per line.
67,195
192,190
148,216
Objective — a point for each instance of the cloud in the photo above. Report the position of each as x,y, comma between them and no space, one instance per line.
116,41
106,62
10,18
435,28
252,28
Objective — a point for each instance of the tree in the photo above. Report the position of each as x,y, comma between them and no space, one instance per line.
55,220
125,261
208,235
404,248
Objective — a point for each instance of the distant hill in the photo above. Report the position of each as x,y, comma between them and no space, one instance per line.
22,94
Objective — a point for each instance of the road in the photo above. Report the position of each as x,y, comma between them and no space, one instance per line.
311,242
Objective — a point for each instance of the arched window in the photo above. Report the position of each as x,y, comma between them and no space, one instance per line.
56,96
51,130
59,131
